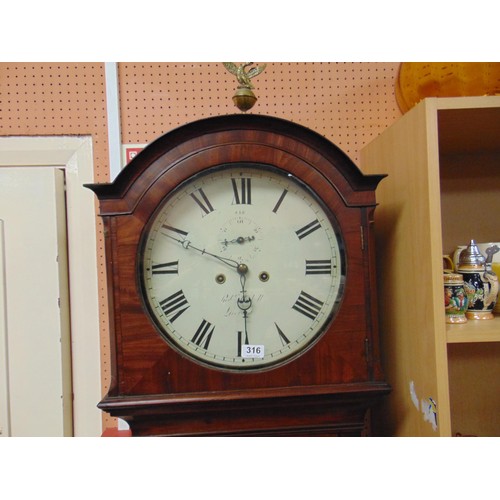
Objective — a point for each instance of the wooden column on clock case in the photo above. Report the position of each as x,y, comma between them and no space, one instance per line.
327,390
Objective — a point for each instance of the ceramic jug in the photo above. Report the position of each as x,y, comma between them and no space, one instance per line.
480,282
495,265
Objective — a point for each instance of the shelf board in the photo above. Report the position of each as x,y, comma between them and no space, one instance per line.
474,331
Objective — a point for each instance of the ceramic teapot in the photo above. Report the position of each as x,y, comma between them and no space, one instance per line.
480,282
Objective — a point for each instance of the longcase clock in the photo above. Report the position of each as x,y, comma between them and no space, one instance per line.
242,290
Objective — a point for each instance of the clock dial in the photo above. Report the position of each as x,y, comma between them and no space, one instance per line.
241,267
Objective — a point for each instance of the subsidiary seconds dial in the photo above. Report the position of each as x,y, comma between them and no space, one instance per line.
241,267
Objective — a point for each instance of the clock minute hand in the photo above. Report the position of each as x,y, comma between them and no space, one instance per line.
187,245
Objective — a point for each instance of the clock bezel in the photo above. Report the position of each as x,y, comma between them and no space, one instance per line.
315,337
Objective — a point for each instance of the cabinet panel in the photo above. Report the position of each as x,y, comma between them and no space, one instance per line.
408,234
442,159
470,201
474,370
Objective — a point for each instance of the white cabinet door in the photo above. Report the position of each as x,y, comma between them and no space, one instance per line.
35,352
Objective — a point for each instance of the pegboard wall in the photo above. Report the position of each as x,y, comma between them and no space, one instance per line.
56,99
349,103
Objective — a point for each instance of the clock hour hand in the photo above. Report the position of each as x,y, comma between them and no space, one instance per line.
240,240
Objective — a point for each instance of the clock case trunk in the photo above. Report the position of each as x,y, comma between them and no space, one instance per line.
330,388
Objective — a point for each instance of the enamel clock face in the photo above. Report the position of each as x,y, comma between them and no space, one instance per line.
241,267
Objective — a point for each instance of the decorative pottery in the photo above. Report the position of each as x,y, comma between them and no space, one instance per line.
483,247
448,265
480,283
418,80
455,299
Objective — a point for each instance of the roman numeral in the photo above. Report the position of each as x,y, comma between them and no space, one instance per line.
308,229
280,201
175,230
204,204
308,305
241,341
203,335
243,193
175,304
319,266
166,268
283,337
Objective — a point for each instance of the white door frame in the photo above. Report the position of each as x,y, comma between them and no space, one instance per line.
74,155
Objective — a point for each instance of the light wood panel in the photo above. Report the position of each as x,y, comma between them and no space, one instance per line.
408,233
475,388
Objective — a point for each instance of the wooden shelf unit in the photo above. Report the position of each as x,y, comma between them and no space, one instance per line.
443,189
474,331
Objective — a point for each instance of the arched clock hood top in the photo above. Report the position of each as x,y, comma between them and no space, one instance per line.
246,131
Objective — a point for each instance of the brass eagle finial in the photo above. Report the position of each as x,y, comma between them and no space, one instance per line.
244,98
242,75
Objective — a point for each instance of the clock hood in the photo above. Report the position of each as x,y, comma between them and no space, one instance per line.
248,131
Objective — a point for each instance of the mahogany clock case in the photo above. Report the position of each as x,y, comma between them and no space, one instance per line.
327,389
